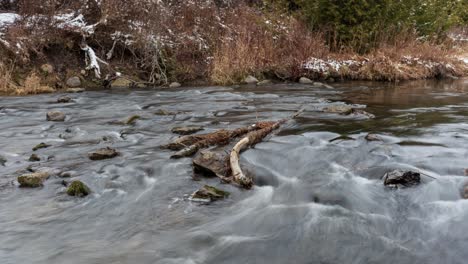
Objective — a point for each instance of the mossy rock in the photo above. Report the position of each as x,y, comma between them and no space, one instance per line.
131,120
104,153
78,188
33,180
40,146
34,158
210,193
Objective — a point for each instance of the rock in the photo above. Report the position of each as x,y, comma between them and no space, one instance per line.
67,174
41,146
121,82
78,188
73,82
33,180
264,82
163,112
47,68
3,161
339,109
64,99
187,130
372,137
318,84
75,90
55,116
361,112
208,194
131,120
466,170
175,85
208,163
104,153
405,179
250,80
305,80
465,192
34,158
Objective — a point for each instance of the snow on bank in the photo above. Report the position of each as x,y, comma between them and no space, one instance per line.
7,18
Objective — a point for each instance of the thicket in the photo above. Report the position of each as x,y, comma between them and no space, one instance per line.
364,24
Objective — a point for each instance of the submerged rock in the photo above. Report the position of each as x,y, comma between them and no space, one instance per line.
187,130
131,120
41,146
372,137
75,90
64,99
163,112
104,153
34,158
3,161
55,116
175,85
402,178
305,80
73,82
250,80
78,188
208,194
33,180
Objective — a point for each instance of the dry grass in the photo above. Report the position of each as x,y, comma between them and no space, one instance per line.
32,84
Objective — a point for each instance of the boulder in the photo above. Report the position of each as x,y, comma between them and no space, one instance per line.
264,82
47,68
40,146
55,116
34,158
305,80
75,90
250,80
78,188
175,85
121,82
64,99
33,180
186,130
73,82
402,178
339,109
208,194
104,153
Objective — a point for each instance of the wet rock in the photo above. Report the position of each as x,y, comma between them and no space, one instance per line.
372,137
305,80
67,174
3,161
47,68
132,120
104,153
264,82
33,180
73,82
175,85
402,178
208,194
55,116
163,112
64,99
360,112
187,130
78,188
34,158
250,80
465,192
208,163
40,146
341,138
466,170
75,90
341,109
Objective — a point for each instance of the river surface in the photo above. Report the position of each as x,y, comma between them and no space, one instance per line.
319,196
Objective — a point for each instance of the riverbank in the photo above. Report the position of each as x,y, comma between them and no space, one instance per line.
197,45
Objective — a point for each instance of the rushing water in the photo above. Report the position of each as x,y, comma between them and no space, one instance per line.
316,200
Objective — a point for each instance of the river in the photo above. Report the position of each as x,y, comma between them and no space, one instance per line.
319,197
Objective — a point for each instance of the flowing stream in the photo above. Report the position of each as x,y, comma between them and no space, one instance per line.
319,196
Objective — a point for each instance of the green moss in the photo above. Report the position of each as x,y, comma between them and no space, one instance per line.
78,188
210,193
